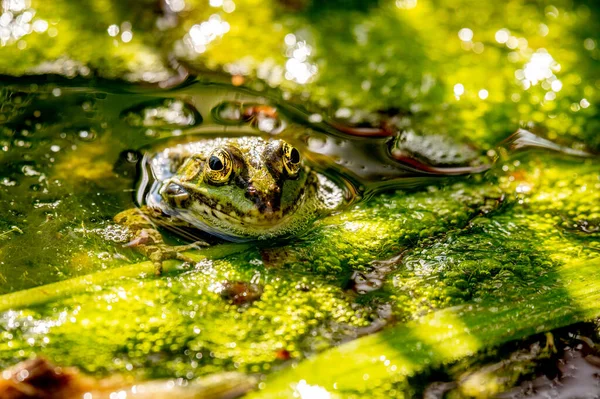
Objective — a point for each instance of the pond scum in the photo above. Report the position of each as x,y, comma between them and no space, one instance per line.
387,298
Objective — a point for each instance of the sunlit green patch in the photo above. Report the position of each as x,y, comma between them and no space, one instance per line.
474,251
180,325
383,227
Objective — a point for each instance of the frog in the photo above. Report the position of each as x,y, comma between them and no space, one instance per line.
236,189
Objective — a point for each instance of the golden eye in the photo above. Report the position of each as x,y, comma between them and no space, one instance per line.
291,160
219,166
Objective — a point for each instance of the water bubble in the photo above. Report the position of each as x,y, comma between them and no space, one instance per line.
315,118
87,135
589,44
343,113
131,156
556,85
22,143
162,113
266,125
290,39
406,4
87,106
228,6
126,36
176,5
5,181
584,103
228,113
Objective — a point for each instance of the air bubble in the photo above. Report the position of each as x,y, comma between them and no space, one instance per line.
162,113
86,135
228,113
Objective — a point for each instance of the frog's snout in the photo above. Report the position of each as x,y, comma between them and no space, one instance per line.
267,202
176,194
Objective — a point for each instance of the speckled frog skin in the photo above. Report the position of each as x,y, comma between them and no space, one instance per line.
239,189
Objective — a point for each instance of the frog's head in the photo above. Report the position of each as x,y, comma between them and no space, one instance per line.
244,190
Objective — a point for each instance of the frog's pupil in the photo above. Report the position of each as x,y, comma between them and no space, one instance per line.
215,163
294,156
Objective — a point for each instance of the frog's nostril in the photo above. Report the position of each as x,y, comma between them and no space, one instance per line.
176,193
174,189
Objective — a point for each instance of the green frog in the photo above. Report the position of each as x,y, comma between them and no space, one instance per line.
238,189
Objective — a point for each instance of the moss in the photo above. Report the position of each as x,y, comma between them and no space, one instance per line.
462,244
181,324
495,248
384,227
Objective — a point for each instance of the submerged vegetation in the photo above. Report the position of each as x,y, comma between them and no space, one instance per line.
403,287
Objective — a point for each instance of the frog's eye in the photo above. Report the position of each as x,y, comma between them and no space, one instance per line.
219,166
291,160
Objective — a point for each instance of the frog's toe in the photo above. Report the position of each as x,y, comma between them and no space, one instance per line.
194,245
198,244
158,268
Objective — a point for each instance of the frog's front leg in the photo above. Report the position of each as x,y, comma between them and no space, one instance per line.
146,239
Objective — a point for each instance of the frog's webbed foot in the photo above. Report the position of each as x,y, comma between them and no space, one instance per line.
149,242
161,252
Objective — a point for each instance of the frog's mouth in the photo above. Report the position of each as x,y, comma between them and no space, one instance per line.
191,205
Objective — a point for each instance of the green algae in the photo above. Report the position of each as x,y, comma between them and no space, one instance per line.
504,257
497,240
53,291
63,38
389,223
505,276
467,250
181,324
296,302
381,363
